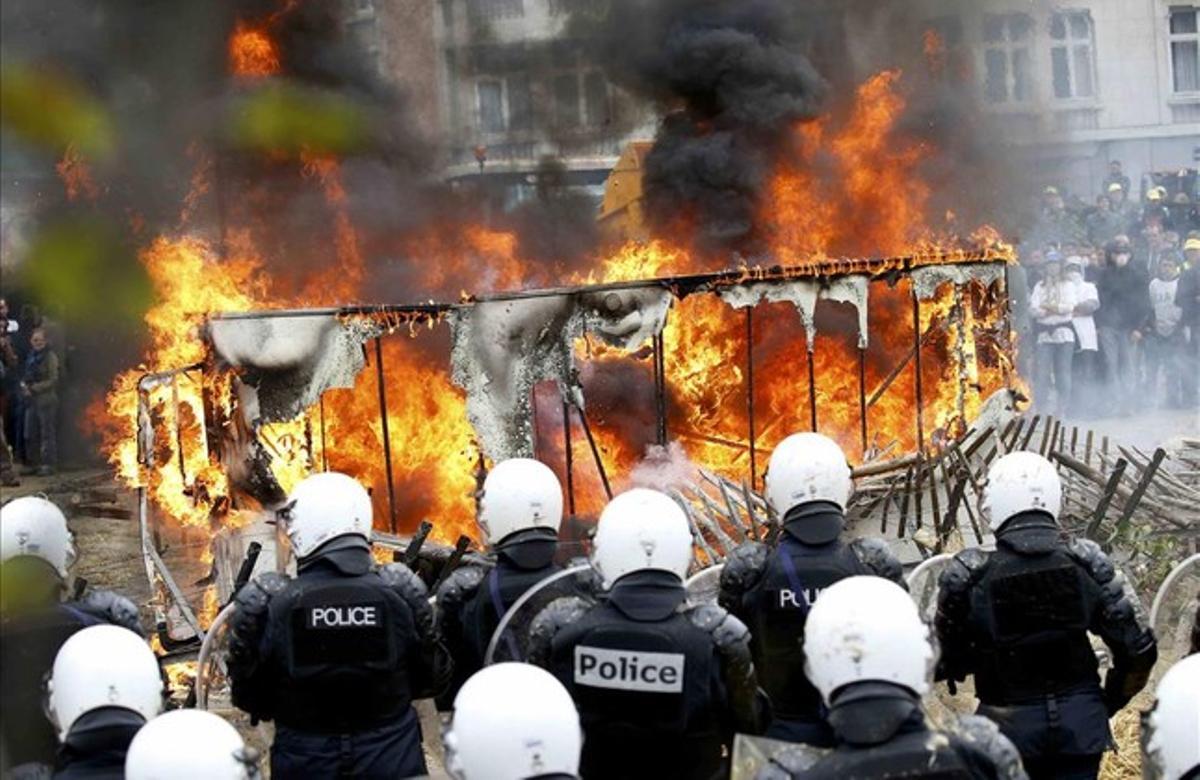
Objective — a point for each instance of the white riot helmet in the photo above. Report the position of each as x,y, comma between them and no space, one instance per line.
513,721
641,529
866,629
1171,731
103,666
189,745
34,527
519,493
323,507
1020,482
807,467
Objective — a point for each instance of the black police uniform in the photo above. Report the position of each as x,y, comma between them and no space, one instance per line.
882,732
473,599
29,642
336,657
660,685
771,589
95,747
1018,620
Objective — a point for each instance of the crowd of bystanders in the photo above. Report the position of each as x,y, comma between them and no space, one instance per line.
31,373
1107,305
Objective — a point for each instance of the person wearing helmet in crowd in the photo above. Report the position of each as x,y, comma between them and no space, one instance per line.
661,684
513,721
104,687
520,512
1171,728
36,555
871,658
337,655
1018,620
191,745
770,587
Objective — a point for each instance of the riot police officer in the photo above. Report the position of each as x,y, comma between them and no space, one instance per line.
1171,730
36,555
513,721
520,512
337,655
869,655
771,587
105,685
661,685
1018,620
190,745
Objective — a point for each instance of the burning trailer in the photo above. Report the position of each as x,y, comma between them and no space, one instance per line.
897,358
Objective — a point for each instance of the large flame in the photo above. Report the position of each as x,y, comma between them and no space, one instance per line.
875,204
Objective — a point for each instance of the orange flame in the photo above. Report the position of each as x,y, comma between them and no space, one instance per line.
875,203
252,53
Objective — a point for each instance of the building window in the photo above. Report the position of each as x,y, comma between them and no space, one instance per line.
595,97
495,9
491,106
1185,48
566,100
520,103
505,105
1071,63
1006,57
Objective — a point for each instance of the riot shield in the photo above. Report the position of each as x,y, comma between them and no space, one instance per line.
510,639
1173,613
704,585
923,584
751,754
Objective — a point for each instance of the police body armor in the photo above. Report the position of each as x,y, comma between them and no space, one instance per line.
918,754
647,686
340,646
776,610
1032,614
518,568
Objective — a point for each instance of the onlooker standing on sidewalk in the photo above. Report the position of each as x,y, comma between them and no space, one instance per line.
1052,305
39,385
1124,310
1165,336
8,371
1085,368
1187,298
1116,176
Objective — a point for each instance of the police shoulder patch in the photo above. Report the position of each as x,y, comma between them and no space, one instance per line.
744,567
460,585
1092,557
985,737
554,617
963,569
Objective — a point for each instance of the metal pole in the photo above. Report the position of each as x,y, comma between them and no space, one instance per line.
862,396
916,312
750,392
660,390
587,430
324,457
570,457
812,391
387,443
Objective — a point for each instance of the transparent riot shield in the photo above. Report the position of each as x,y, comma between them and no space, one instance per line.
511,638
1173,613
923,583
704,585
751,754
